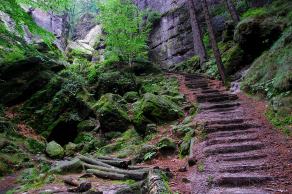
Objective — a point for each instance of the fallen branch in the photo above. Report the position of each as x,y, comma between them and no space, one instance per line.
116,163
107,175
135,175
74,165
92,161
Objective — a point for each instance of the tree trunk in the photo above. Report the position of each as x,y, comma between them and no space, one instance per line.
132,174
95,162
155,184
232,10
215,48
197,33
107,175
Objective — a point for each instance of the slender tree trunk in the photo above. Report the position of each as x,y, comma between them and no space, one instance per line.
214,45
197,33
232,10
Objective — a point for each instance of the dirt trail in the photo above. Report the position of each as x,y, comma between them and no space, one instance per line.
240,152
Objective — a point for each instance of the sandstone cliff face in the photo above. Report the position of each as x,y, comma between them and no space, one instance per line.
52,23
171,39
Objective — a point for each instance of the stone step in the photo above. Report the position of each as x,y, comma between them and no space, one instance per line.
225,140
233,148
225,121
246,156
211,91
220,106
230,133
242,168
218,99
223,110
237,190
228,127
240,179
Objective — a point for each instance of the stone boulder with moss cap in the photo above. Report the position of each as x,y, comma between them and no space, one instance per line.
155,108
54,150
112,113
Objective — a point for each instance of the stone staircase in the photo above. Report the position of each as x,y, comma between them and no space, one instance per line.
233,155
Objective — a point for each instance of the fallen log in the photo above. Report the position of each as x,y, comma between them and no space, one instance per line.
73,166
131,174
107,175
116,163
154,183
110,158
92,161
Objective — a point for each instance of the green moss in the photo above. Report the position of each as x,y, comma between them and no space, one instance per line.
155,108
271,73
112,112
35,146
284,123
12,45
189,66
255,12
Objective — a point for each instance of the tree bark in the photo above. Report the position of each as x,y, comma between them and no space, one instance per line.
232,10
155,183
95,162
116,163
215,48
132,174
197,33
107,175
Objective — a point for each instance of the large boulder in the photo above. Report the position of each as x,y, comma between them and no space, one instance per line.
155,108
254,35
54,150
21,79
116,82
112,113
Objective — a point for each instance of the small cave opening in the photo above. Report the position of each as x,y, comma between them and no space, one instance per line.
64,133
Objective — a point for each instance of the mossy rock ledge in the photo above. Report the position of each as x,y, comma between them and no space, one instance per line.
112,113
155,108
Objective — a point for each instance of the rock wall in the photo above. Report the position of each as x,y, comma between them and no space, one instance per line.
52,23
171,38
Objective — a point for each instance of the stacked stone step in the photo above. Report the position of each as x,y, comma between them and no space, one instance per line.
233,153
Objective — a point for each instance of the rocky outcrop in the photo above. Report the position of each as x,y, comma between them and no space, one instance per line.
56,24
171,39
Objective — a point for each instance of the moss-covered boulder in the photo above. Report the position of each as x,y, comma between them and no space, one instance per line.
234,59
155,108
112,113
131,96
254,35
54,150
146,152
88,125
166,146
71,149
117,82
21,79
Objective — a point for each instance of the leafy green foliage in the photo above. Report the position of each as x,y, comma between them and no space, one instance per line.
149,155
126,35
255,12
283,123
56,5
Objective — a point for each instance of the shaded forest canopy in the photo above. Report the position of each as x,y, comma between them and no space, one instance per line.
91,77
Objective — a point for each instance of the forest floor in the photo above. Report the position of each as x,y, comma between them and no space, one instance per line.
237,151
